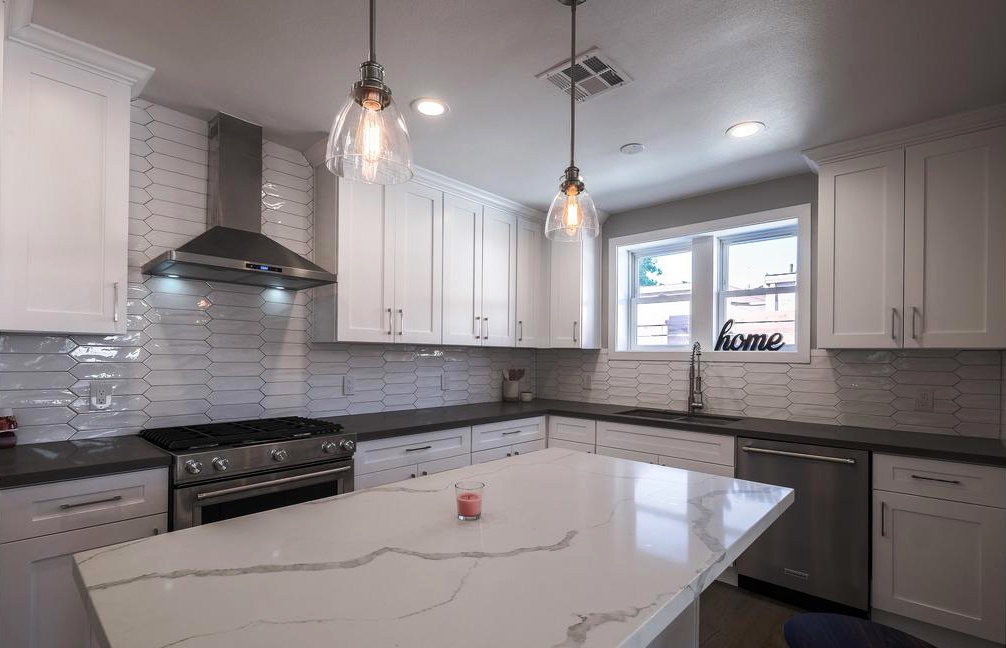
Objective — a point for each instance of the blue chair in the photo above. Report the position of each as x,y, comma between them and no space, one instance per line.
816,630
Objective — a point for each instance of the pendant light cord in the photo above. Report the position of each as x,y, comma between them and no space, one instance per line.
572,86
373,31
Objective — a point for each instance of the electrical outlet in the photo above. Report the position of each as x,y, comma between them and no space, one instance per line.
101,394
924,400
347,386
588,381
443,382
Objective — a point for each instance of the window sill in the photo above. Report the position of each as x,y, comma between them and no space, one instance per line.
792,357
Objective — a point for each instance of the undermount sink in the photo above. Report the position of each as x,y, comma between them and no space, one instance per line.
679,417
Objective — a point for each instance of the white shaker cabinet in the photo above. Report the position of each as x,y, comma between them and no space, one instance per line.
480,274
64,195
861,237
911,240
955,242
575,294
532,284
390,260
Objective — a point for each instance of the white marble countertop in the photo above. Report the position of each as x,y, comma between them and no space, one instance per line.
572,550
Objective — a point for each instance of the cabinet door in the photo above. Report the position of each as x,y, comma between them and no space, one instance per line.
499,278
419,233
955,234
572,429
506,433
492,454
384,477
440,465
940,562
366,261
697,466
631,455
526,447
565,299
64,197
860,253
40,603
532,284
571,445
462,308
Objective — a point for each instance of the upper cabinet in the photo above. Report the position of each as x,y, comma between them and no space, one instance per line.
426,263
575,294
64,192
911,241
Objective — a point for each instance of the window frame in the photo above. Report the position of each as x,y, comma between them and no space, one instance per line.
666,298
708,272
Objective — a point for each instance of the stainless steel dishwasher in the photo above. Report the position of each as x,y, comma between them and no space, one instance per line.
821,545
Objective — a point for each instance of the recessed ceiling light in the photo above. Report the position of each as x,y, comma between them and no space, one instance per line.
746,129
632,148
429,106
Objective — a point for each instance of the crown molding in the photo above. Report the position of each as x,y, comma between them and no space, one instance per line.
75,52
959,124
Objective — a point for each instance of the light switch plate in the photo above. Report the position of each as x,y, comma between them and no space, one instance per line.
588,381
347,386
101,394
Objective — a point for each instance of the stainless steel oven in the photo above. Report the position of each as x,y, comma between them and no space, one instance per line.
222,499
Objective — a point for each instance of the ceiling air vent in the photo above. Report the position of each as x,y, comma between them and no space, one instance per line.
595,74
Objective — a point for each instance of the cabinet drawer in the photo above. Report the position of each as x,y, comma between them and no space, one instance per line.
492,454
959,482
528,446
571,445
394,452
505,433
631,455
697,466
440,465
34,511
382,477
572,429
682,444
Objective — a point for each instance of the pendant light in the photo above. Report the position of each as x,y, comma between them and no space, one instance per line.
369,141
572,216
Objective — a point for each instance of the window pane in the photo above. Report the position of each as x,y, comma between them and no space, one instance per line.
663,324
761,264
665,273
765,314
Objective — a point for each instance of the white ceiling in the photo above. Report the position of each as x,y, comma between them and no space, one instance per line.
815,71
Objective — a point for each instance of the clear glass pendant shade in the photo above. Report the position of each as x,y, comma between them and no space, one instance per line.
572,218
370,145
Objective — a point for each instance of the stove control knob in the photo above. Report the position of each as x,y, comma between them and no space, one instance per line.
193,467
348,445
280,454
330,447
221,464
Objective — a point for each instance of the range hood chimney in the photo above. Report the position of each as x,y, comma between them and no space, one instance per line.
234,249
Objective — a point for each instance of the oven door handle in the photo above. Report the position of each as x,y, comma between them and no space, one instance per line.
266,484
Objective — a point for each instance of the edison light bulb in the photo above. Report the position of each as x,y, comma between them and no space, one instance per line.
571,215
371,136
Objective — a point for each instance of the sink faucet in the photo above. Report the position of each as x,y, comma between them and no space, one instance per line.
695,398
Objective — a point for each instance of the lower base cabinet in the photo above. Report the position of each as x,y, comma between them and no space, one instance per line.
411,471
40,604
571,445
502,452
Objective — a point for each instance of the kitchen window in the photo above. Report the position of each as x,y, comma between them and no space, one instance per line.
739,286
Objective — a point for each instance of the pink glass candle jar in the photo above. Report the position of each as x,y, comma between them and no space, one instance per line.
469,497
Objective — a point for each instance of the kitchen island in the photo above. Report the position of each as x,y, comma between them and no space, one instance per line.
573,549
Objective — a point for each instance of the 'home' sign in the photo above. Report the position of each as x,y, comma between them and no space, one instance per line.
749,342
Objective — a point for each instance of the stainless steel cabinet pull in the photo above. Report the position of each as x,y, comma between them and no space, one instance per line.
157,531
485,321
391,323
894,316
425,473
478,328
574,331
115,302
915,315
883,519
511,432
516,452
66,507
425,447
937,479
412,476
520,331
267,484
401,322
798,455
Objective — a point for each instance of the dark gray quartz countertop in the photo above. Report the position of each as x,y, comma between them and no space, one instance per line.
38,463
934,446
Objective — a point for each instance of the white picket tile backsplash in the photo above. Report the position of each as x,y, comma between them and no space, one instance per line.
862,388
198,352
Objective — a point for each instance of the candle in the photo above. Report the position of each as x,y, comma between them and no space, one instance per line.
469,498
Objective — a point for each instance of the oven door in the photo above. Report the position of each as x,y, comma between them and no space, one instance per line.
221,500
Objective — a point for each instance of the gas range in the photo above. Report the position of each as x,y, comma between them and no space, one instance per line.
223,470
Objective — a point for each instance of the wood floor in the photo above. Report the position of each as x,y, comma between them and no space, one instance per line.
730,617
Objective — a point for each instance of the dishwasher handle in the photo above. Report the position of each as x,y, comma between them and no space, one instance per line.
799,455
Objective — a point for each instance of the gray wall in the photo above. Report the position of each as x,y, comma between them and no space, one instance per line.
771,194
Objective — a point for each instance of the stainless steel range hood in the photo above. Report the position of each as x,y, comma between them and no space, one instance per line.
234,249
